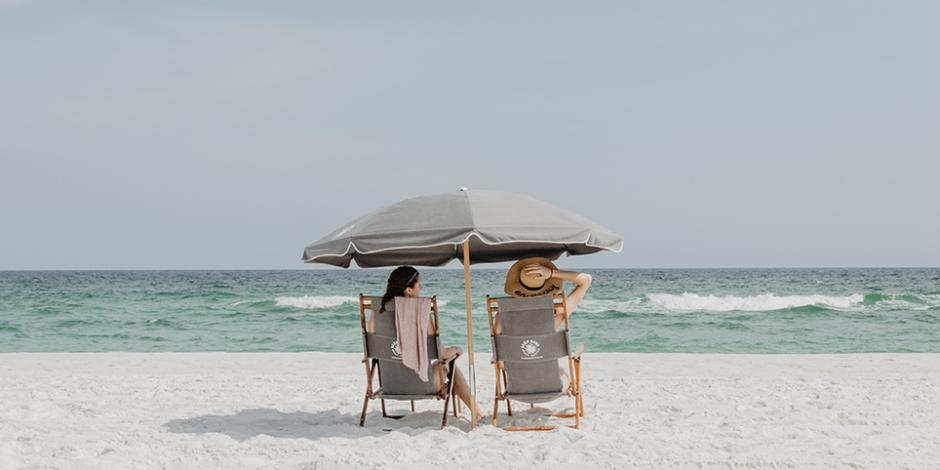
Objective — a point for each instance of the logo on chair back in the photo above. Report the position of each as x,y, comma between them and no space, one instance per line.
396,349
530,349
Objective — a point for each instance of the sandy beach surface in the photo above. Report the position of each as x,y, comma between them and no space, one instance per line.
300,410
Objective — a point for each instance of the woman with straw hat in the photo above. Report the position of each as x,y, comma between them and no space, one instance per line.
531,277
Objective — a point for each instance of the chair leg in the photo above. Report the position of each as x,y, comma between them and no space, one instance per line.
412,406
446,406
506,387
578,401
455,405
365,403
495,409
386,415
577,371
577,411
365,408
450,396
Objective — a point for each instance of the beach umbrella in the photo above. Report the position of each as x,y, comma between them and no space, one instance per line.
470,226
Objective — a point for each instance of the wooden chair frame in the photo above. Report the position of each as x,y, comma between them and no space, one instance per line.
502,379
445,387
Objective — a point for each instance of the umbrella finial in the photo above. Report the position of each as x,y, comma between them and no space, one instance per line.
463,189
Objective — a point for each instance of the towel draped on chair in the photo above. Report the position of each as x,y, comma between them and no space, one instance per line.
412,315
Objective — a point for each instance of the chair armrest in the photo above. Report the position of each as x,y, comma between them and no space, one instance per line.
455,350
576,355
452,359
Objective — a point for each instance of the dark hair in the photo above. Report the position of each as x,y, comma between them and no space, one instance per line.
400,279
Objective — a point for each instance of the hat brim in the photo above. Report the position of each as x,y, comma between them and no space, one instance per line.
516,288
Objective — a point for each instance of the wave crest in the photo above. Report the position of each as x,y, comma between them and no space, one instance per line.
314,301
754,303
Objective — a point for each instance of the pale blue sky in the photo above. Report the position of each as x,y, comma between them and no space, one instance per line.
231,134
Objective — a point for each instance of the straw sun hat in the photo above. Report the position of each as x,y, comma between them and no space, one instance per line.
520,285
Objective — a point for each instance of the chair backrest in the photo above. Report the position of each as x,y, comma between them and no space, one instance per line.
382,344
527,342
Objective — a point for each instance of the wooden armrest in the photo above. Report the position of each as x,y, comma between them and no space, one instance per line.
452,359
577,353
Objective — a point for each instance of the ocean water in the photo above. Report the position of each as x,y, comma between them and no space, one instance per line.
636,310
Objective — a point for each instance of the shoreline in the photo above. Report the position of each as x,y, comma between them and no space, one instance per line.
299,410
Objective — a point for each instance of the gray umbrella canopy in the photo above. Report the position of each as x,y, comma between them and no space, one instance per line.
431,230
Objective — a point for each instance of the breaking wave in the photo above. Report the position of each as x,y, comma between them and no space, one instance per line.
754,303
314,301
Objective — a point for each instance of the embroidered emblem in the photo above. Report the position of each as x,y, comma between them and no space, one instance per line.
530,349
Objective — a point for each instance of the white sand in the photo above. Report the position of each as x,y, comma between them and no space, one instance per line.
299,410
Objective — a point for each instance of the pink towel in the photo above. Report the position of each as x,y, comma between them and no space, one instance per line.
412,317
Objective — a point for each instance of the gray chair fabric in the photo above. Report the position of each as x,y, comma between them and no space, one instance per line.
397,381
530,348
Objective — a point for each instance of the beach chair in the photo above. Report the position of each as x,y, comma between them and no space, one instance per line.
526,352
383,356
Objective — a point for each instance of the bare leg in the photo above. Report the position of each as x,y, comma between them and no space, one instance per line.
462,390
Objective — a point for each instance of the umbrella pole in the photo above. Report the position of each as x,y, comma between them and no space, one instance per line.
471,374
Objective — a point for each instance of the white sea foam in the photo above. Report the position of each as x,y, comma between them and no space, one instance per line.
602,305
755,303
314,301
910,302
322,301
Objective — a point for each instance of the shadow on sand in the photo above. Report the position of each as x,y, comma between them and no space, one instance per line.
247,424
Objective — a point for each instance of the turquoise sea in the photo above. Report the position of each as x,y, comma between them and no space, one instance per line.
639,310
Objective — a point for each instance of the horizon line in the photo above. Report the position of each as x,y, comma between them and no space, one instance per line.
457,268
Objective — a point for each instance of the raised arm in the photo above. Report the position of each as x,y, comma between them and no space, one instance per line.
582,282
